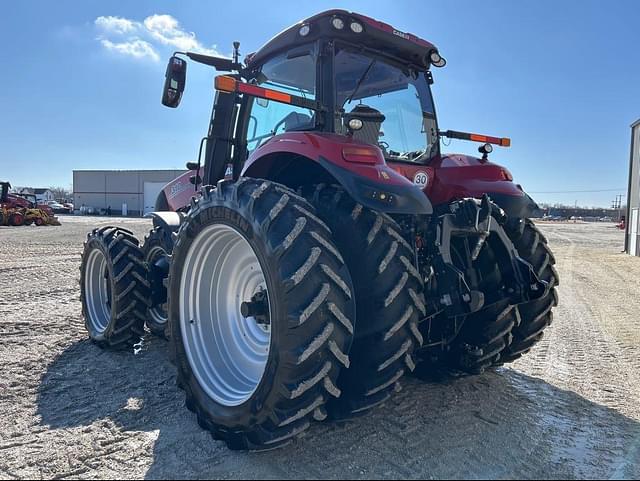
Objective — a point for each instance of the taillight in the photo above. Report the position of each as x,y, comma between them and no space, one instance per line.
361,155
506,175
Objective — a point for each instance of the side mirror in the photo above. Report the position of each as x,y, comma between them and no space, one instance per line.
174,82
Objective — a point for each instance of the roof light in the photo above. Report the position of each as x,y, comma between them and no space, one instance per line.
337,23
304,30
436,59
356,27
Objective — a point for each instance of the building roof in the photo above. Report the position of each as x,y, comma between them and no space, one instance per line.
635,124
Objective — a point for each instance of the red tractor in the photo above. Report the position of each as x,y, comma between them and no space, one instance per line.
323,245
23,209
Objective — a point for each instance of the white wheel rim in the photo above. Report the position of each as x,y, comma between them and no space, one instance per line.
227,353
97,291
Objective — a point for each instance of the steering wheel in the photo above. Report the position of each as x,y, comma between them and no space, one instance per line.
274,131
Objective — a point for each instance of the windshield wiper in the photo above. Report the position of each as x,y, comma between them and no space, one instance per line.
364,75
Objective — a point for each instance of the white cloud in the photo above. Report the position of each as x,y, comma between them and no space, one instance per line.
117,25
135,48
142,39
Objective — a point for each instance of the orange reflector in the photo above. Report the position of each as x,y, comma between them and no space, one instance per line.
506,142
277,96
225,83
264,93
478,138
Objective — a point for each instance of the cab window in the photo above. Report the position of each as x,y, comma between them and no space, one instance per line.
395,103
294,73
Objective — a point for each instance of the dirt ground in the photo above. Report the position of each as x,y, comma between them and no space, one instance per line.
571,409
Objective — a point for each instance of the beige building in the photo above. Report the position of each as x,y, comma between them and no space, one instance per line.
133,191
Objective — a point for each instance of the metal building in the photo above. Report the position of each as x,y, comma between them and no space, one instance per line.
133,191
632,243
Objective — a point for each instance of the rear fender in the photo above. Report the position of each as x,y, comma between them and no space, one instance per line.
303,158
167,221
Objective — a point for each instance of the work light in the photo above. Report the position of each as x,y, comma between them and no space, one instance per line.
356,27
337,23
355,124
304,30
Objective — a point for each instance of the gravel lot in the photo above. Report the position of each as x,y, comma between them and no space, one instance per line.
569,409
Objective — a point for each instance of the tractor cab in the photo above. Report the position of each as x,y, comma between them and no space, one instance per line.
335,94
371,82
4,191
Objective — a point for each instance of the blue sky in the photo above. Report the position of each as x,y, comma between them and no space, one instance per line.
81,90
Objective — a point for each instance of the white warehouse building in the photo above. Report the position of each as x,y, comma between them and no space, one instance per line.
632,243
133,191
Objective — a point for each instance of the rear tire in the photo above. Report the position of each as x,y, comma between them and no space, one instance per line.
113,288
310,306
389,300
536,315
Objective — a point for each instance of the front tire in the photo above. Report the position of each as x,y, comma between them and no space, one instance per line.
16,219
113,288
257,381
157,249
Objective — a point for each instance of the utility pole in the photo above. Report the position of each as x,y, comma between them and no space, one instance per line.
617,205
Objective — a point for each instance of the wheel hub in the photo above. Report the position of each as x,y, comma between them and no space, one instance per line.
257,308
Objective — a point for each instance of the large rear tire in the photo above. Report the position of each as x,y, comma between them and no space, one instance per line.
260,362
536,315
113,288
389,299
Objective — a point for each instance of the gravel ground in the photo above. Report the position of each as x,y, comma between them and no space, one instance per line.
568,410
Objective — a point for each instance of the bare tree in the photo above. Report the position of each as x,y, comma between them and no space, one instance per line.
61,193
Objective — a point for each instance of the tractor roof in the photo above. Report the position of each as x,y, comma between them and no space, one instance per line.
377,35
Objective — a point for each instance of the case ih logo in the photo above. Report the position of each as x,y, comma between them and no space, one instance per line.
177,189
401,34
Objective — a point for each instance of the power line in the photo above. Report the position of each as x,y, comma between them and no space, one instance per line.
578,191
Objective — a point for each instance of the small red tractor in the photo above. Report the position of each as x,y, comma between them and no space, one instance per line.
323,245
